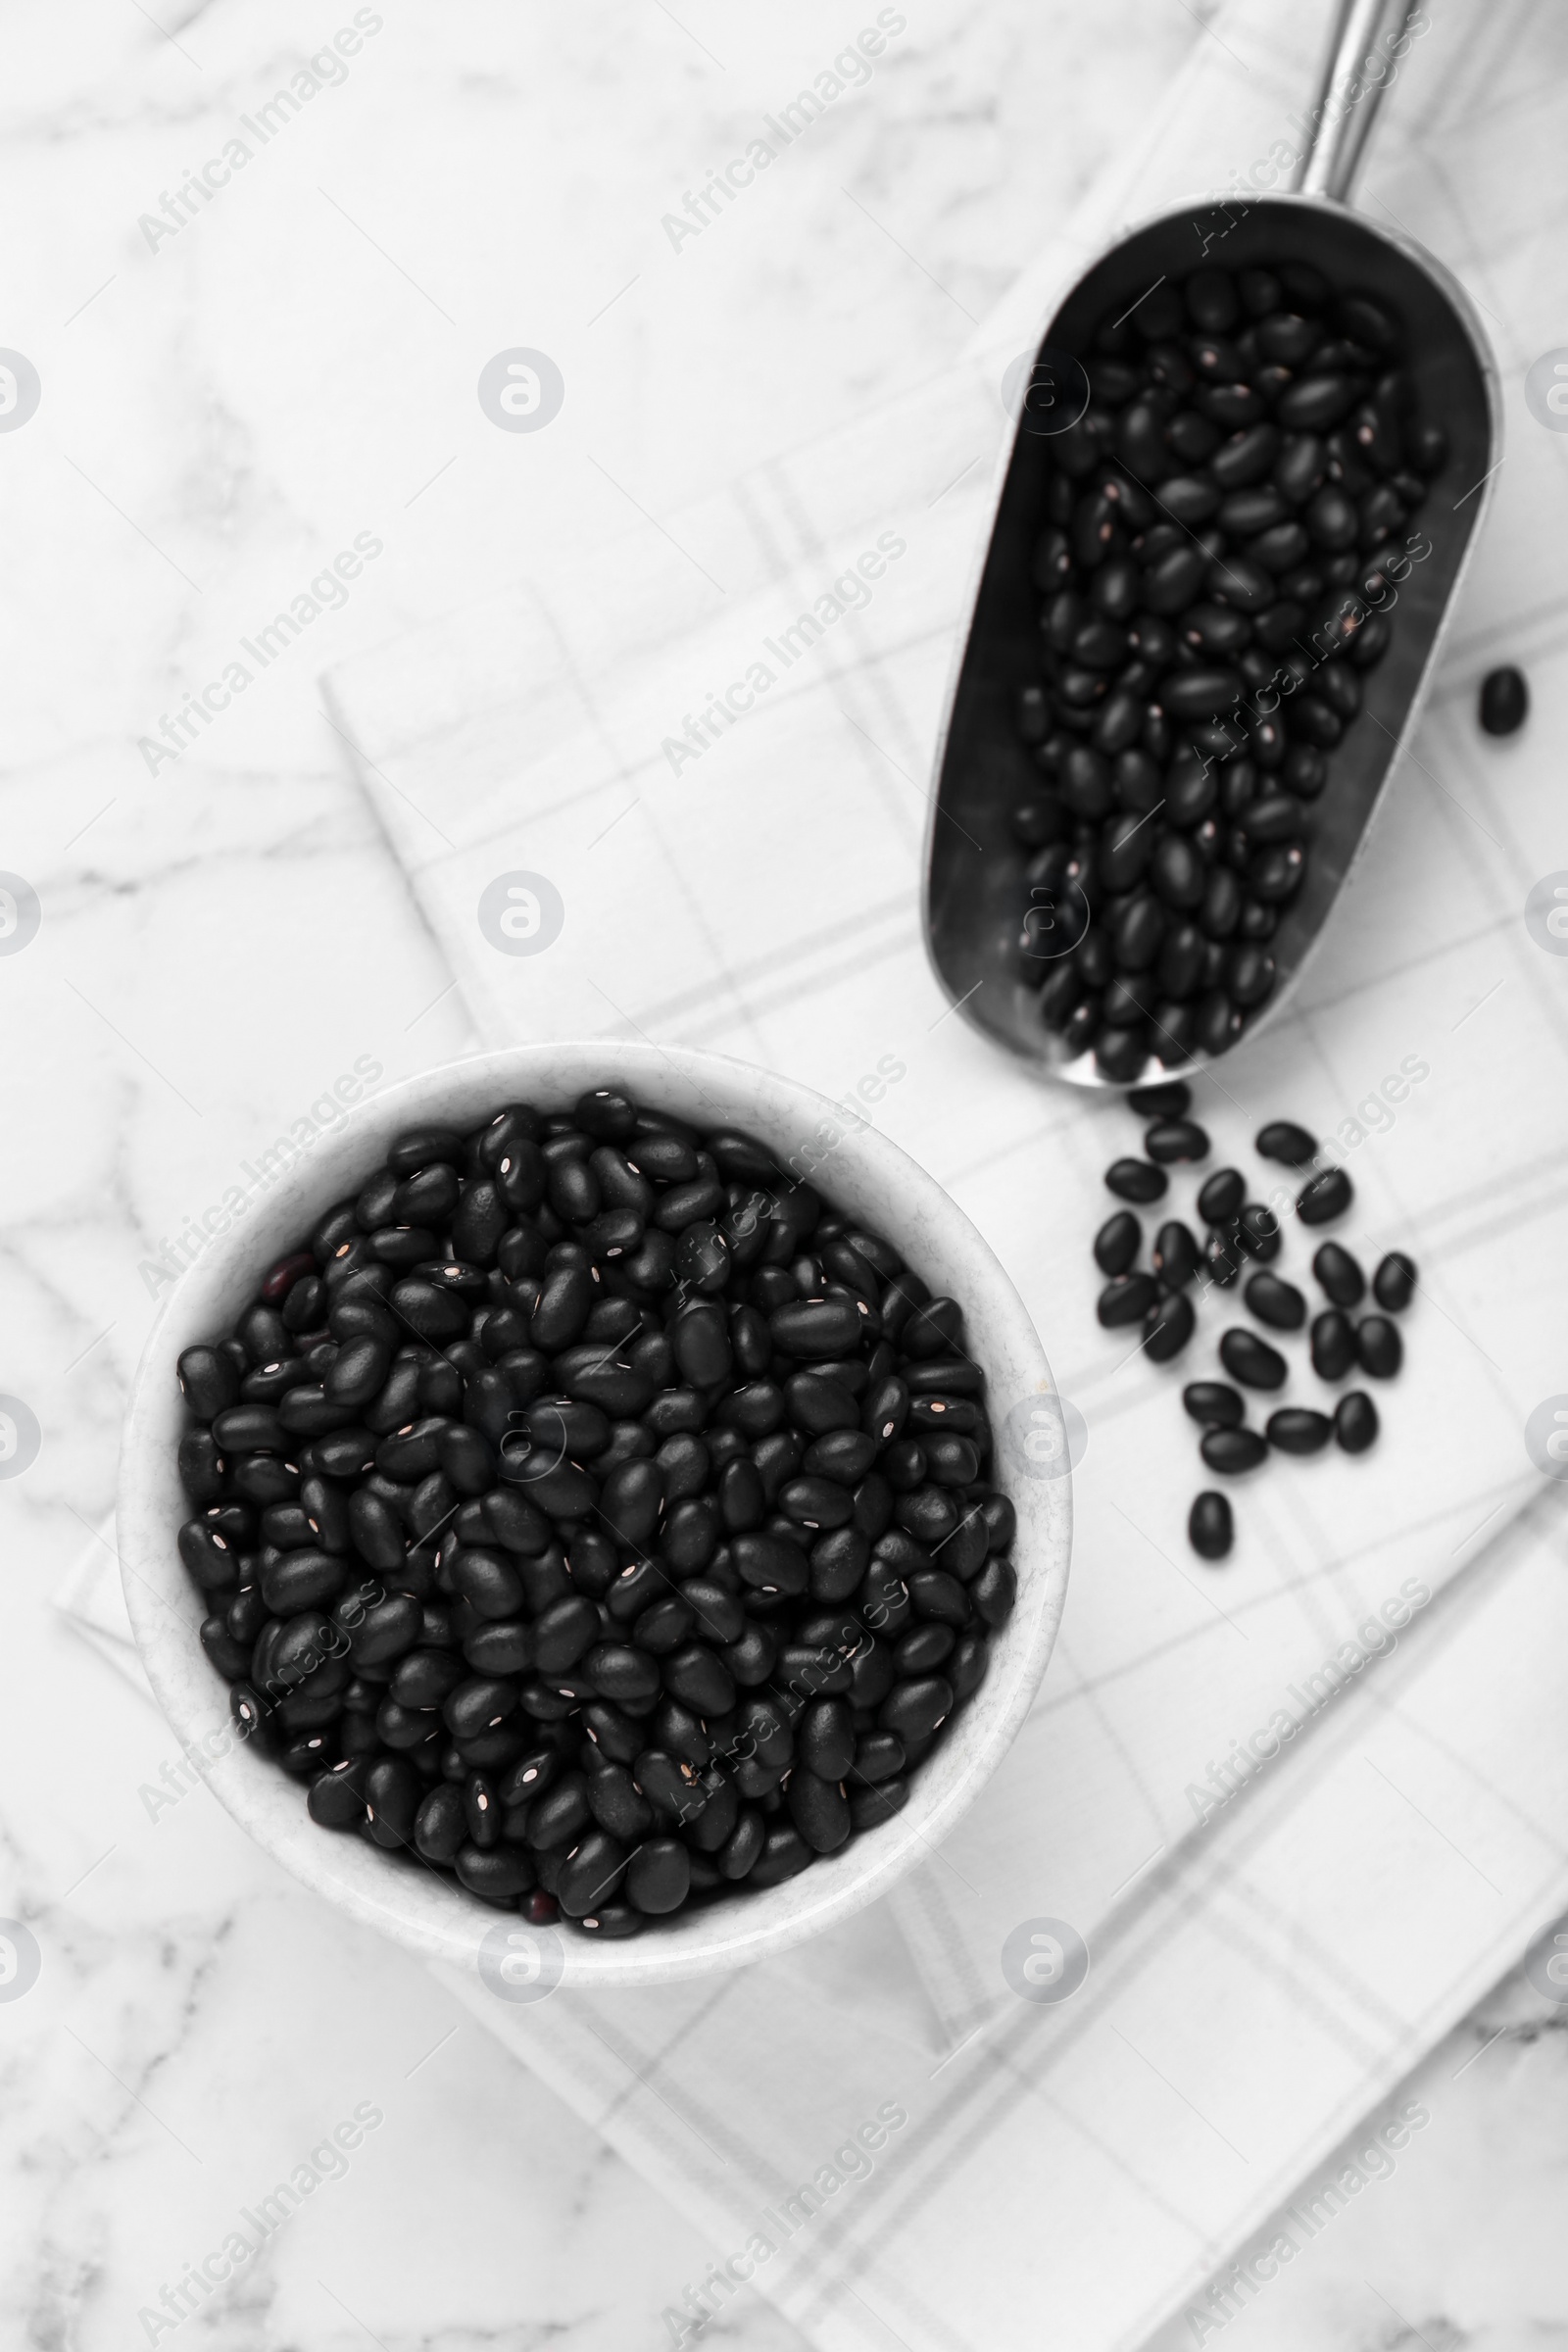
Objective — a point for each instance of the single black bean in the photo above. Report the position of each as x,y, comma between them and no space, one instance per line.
1257,1233
1175,1140
393,1791
914,1709
1221,1196
1327,1196
1127,1299
1280,1304
1338,1275
1251,1361
1355,1422
1333,1345
1290,1145
1170,1100
1214,1404
819,1809
1210,1529
1293,1429
825,1739
1223,1258
1175,1255
1505,703
208,1381
1393,1282
1116,1243
1230,1451
590,1874
658,1876
1168,1327
1379,1347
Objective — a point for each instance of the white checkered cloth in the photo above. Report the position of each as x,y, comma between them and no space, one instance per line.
1261,1975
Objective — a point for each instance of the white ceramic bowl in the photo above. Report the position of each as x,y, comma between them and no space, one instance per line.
424,1910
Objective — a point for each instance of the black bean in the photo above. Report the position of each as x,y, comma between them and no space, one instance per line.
1325,1196
819,1810
1116,1246
1278,1304
1338,1275
1210,1529
1288,1144
1251,1361
1257,1233
1127,1299
1393,1282
914,1709
1379,1347
1221,1197
658,1876
1333,1345
1230,1451
590,1874
1355,1422
1295,1430
1176,1140
825,1741
1174,1256
1214,1404
208,1381
1505,703
1136,1179
1168,1327
393,1791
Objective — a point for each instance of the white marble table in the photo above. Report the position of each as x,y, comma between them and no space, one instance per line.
226,403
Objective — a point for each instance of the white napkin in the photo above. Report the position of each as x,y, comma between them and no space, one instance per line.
1262,1974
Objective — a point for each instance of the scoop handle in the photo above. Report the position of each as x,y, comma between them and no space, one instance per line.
1362,60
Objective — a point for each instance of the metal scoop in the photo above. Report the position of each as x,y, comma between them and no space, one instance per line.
977,895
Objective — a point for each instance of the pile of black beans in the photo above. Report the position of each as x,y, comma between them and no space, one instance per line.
1242,1235
590,1510
1221,529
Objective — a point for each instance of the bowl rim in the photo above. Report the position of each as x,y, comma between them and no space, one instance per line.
865,1172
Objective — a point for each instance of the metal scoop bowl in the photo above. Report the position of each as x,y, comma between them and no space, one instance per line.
978,902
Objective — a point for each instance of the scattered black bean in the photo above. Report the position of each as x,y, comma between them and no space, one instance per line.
1215,1406
1220,1200
1278,1304
1230,1451
1210,1529
605,1502
1137,1180
1295,1430
1168,1327
1127,1299
1251,1361
1240,1231
1326,1196
1340,1277
1281,1139
1171,1100
1173,1140
1117,1242
1355,1421
1393,1282
1257,1233
1333,1342
1504,701
1379,1347
1175,1256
